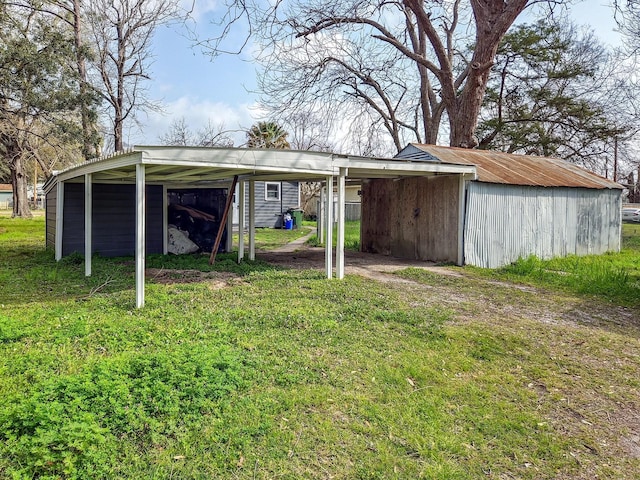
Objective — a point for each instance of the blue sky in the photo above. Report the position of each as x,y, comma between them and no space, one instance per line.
192,85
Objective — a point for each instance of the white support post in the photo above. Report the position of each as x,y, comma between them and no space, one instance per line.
341,219
252,220
229,244
59,219
461,210
241,204
320,219
328,245
88,210
165,220
140,234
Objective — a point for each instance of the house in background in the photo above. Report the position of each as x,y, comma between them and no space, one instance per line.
6,195
516,206
352,205
272,200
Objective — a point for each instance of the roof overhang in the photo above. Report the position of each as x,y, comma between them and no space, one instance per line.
207,165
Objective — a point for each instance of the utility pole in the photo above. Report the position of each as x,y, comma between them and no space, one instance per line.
615,159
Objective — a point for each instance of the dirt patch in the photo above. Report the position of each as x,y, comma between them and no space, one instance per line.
216,280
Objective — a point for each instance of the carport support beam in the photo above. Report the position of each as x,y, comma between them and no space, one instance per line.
223,221
140,234
252,220
88,209
328,244
320,215
241,208
341,219
59,219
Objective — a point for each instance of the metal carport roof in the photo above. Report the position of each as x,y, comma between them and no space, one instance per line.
200,166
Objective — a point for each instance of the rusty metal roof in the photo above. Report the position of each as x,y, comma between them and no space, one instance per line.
506,168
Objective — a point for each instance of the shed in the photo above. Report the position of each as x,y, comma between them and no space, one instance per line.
516,206
119,205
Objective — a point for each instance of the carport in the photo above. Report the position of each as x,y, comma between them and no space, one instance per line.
177,167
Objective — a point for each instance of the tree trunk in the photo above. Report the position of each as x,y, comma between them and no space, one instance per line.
90,148
20,196
493,18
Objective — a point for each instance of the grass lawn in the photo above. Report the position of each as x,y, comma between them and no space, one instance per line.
351,236
284,374
613,276
269,238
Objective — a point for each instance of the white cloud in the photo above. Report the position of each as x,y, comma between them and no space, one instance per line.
197,113
199,9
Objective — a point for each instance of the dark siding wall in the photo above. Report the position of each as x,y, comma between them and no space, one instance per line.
73,219
414,218
50,218
113,219
267,212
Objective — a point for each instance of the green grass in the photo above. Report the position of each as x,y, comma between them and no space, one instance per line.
351,236
269,238
613,276
281,374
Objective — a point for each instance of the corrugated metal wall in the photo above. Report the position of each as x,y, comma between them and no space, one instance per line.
268,211
505,222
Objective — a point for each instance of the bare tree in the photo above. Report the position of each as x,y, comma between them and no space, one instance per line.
210,135
401,60
121,33
628,18
309,131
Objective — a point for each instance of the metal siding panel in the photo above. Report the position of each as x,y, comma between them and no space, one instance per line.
545,223
571,222
559,229
507,222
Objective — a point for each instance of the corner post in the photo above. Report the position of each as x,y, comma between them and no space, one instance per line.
88,234
59,219
341,220
320,220
328,245
241,209
252,220
140,234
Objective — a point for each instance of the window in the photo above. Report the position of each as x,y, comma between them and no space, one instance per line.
272,191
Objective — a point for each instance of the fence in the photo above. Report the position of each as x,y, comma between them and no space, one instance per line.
351,210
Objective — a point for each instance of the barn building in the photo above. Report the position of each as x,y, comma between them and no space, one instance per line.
516,206
430,203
